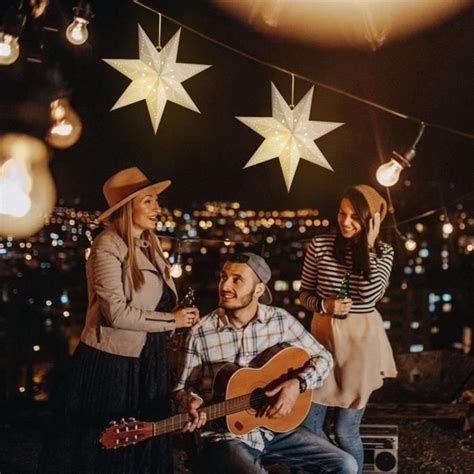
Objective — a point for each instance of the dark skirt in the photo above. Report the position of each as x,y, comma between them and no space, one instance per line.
102,387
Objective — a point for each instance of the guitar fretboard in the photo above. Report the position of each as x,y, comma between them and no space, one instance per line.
218,410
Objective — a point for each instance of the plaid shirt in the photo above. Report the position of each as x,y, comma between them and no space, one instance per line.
214,342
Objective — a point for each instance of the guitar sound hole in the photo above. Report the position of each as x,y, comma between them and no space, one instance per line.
257,399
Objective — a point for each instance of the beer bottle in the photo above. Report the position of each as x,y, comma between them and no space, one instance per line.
343,293
344,288
188,300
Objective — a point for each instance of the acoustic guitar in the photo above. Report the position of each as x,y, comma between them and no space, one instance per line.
243,394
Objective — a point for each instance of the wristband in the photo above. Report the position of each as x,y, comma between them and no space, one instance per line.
302,382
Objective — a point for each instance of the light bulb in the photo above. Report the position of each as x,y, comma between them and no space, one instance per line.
410,245
27,191
388,174
176,270
66,125
9,49
15,187
448,228
76,32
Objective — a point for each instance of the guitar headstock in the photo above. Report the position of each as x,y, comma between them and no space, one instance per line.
125,433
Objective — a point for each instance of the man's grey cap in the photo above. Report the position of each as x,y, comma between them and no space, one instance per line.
263,272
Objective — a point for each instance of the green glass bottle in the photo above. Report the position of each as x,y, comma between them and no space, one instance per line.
344,288
343,293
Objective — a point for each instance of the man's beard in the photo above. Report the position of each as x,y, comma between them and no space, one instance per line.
237,303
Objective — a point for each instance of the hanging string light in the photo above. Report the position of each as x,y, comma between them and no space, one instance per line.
65,125
447,227
410,244
10,31
176,269
76,32
27,191
9,49
388,174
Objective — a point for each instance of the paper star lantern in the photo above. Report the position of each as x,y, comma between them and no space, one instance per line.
156,77
289,135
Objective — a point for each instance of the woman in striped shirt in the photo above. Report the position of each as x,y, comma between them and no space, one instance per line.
350,328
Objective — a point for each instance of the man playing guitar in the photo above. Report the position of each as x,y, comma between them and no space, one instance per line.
243,327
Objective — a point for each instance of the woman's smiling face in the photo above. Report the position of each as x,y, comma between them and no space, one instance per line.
348,220
145,210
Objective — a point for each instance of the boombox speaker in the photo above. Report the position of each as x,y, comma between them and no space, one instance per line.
380,448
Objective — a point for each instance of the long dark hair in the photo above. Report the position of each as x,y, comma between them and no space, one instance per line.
358,244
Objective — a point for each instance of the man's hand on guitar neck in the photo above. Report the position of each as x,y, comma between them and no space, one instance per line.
284,398
198,418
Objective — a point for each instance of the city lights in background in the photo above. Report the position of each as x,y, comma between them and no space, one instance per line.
58,249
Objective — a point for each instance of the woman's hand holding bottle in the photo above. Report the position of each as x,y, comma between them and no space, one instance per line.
186,317
339,307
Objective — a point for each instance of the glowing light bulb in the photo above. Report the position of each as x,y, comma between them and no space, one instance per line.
388,174
448,228
410,245
76,32
9,49
176,270
66,125
27,191
16,183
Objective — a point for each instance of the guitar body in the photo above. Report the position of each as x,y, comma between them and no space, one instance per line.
277,365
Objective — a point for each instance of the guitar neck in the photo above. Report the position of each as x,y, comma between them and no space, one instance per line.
218,410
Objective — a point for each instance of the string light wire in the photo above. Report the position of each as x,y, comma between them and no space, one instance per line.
328,87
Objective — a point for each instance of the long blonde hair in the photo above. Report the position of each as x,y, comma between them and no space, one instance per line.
122,221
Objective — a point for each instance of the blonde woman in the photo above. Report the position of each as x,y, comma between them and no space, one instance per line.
120,368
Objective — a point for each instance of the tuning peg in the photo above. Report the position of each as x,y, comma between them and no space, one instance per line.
112,423
122,420
132,420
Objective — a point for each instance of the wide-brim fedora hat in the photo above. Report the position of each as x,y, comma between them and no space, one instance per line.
125,185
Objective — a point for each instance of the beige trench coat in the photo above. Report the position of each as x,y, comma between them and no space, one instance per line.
118,317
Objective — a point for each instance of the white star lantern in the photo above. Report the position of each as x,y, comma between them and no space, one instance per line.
156,77
289,135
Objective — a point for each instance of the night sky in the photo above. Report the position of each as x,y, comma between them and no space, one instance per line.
428,76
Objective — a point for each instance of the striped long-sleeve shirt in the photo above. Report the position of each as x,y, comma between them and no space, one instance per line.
322,276
214,342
